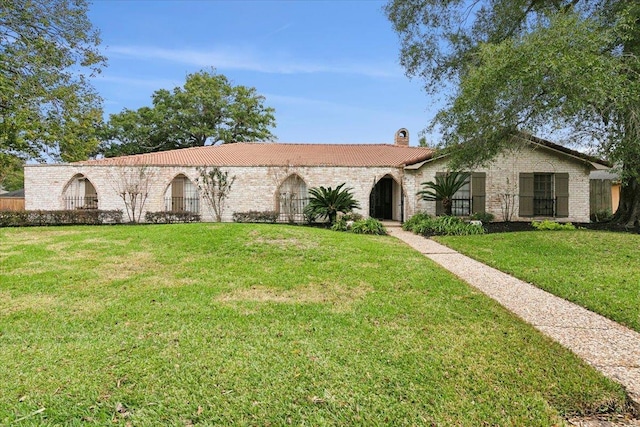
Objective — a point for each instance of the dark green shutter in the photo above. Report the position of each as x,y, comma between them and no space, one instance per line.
478,196
439,207
562,194
526,194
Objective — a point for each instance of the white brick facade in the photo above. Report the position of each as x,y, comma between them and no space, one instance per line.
255,188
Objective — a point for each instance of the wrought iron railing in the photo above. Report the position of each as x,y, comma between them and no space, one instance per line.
86,202
182,204
461,206
544,206
291,209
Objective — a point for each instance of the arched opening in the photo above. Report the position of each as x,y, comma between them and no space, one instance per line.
80,194
182,196
291,199
385,200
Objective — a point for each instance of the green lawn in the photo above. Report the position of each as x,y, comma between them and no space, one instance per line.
209,324
596,269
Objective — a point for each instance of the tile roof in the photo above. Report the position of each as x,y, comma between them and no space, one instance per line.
278,154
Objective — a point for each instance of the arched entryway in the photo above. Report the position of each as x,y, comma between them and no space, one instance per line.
80,193
182,196
291,198
385,200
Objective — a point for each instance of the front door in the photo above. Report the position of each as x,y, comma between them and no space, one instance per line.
381,200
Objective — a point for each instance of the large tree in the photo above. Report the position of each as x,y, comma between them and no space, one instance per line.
568,69
207,110
48,109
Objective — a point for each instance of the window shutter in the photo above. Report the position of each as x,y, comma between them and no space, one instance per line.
562,194
526,194
439,207
478,197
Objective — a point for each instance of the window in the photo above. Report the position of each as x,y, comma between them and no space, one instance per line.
469,199
543,198
80,194
182,196
461,202
544,194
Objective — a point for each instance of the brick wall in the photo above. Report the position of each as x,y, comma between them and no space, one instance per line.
502,177
255,188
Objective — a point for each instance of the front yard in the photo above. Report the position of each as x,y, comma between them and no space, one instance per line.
598,270
240,324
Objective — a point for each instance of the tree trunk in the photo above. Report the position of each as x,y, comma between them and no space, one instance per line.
447,206
628,213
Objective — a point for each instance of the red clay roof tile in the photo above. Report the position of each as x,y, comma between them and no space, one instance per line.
278,154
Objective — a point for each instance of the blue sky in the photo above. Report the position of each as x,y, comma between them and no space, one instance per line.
329,68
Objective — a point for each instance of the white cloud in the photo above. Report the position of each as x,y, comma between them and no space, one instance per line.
239,59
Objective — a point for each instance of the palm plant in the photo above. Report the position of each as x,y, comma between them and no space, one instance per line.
444,188
329,201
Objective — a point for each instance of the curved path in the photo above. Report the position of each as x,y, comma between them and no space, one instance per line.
608,346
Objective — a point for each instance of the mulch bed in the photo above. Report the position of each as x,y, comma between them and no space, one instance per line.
505,227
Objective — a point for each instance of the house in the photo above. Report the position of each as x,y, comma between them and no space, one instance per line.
539,179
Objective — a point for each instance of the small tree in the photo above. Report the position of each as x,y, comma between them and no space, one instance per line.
132,185
444,188
215,186
329,201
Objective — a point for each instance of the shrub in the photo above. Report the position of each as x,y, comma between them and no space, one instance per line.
552,225
601,215
255,216
445,226
169,217
414,220
59,217
483,216
368,226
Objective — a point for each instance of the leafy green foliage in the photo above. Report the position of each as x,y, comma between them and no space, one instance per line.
368,226
215,185
552,225
243,324
207,110
359,225
11,172
47,107
442,226
552,67
171,217
444,188
327,202
415,219
483,216
256,216
61,217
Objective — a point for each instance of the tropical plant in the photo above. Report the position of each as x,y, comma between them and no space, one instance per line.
444,188
329,201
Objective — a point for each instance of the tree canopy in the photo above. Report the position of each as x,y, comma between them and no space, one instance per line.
207,110
48,109
567,69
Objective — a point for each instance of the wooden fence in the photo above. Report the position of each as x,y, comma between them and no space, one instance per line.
11,203
600,195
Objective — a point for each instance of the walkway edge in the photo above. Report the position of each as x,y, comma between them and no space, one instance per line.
609,347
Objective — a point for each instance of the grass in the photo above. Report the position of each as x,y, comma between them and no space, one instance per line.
595,269
242,324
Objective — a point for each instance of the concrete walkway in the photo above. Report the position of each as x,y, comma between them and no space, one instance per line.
609,347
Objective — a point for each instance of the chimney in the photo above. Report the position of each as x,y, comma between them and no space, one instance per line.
402,138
